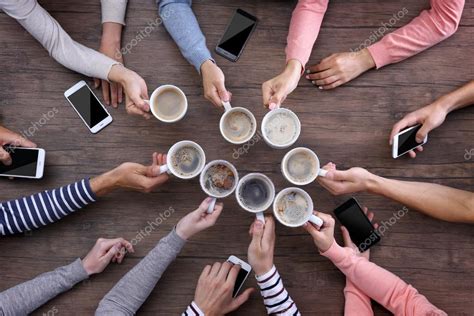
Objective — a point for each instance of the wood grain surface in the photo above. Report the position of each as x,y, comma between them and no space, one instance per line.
349,126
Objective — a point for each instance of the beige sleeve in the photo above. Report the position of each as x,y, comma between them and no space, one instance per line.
113,11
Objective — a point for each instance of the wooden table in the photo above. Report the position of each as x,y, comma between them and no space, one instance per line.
349,126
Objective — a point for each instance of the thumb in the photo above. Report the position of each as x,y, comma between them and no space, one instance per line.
257,234
140,103
112,252
276,99
222,91
96,83
5,157
345,236
337,175
423,132
242,298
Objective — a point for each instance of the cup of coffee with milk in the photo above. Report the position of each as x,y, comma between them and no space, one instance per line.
168,103
293,207
281,128
218,179
301,166
185,160
237,124
255,193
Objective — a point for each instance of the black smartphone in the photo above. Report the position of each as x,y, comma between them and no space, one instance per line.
26,163
361,230
244,272
236,35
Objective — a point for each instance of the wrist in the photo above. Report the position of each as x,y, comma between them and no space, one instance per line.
87,267
365,59
183,233
111,33
207,65
105,183
446,104
264,269
373,184
293,68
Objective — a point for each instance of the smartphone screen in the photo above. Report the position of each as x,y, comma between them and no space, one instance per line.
86,103
24,162
237,33
361,230
241,277
407,141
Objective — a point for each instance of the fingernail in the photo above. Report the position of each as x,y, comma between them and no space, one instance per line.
259,224
419,140
307,77
308,71
320,88
272,106
313,82
208,199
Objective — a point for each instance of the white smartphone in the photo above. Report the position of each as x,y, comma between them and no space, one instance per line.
26,163
405,141
88,106
243,273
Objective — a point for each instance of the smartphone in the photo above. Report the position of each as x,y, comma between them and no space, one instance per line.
26,163
361,230
236,35
243,273
405,141
88,106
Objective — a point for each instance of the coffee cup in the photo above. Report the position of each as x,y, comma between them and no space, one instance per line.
237,124
218,179
168,103
281,128
293,207
255,193
301,166
185,160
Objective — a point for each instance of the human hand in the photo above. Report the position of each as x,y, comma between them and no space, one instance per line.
198,220
110,46
347,238
275,90
136,91
339,68
323,236
132,176
12,139
430,116
348,181
261,248
215,288
104,252
213,82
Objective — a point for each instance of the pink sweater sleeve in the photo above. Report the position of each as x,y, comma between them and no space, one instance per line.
383,286
304,29
428,29
357,303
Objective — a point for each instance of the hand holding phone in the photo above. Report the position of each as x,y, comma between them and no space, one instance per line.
25,163
405,141
363,234
244,272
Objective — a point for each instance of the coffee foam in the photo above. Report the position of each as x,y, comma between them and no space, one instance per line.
187,160
238,126
281,128
292,208
301,166
169,104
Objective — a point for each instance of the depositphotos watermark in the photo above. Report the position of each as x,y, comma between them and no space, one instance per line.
380,32
244,149
384,226
468,154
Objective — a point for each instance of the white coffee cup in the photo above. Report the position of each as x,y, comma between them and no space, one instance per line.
170,168
153,106
316,169
213,194
308,216
272,117
271,194
229,110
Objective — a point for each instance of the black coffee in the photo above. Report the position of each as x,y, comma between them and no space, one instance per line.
254,193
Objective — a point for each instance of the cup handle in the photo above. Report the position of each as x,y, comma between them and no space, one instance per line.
315,220
260,217
322,172
210,209
227,106
164,168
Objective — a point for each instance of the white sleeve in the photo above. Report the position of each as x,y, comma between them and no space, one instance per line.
113,11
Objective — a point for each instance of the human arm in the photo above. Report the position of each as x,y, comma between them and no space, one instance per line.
438,201
434,114
126,297
28,296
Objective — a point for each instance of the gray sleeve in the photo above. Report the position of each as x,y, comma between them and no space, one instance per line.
133,289
181,23
28,296
113,11
46,30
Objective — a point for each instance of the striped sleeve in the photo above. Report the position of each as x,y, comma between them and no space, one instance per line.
275,297
41,209
193,310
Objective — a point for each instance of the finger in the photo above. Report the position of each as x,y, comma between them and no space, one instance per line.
365,209
325,217
140,103
96,83
277,99
326,81
423,132
233,273
332,85
269,230
106,92
370,216
321,75
5,157
224,270
120,93
153,182
108,243
337,175
113,94
216,213
215,99
257,235
205,273
346,236
311,229
266,93
412,154
222,91
111,252
24,142
419,148
242,298
132,109
215,269
408,120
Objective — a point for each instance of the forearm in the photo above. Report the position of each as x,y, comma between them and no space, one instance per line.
275,297
435,200
458,98
182,25
133,289
105,183
112,33
304,29
429,28
357,303
383,286
43,208
28,296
